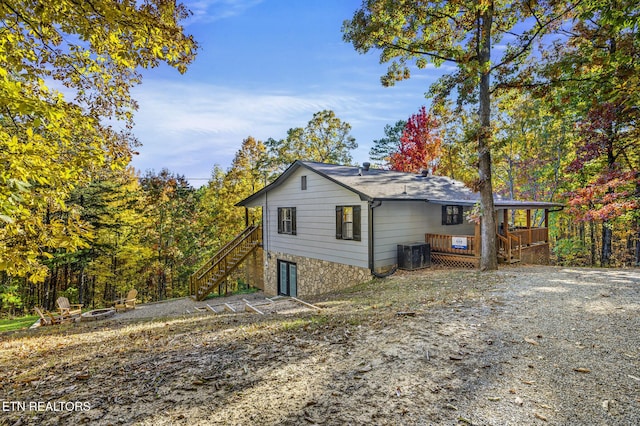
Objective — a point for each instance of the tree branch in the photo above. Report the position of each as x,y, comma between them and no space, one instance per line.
420,52
541,26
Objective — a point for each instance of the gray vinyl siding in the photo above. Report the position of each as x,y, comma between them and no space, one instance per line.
315,218
396,223
435,226
399,222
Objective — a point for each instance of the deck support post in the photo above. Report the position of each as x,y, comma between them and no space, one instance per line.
529,226
477,240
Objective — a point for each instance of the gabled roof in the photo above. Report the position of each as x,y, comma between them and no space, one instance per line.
387,185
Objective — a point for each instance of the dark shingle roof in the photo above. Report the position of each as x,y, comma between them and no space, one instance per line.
378,184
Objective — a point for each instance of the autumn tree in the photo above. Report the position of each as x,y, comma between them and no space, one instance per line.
419,145
50,141
531,147
219,217
382,148
591,71
114,206
171,204
611,189
462,33
325,139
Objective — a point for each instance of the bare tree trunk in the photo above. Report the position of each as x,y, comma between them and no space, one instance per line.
607,237
488,260
637,251
592,228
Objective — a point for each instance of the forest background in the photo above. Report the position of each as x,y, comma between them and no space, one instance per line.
77,220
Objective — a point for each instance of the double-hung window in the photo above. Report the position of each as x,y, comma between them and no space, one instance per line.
451,215
348,223
287,220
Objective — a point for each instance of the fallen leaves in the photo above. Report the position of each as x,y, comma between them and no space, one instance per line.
28,379
360,366
540,417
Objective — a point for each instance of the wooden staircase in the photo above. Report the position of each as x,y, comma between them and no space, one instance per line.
228,258
509,248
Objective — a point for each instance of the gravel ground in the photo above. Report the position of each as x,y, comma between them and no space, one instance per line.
187,306
521,346
543,346
564,350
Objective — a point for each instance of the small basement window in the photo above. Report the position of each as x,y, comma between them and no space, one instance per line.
451,215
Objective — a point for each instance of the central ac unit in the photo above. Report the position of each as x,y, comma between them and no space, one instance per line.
414,256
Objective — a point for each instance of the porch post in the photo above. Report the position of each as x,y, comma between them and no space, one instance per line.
478,240
505,222
529,226
546,225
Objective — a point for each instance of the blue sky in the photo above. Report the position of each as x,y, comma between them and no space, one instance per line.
264,66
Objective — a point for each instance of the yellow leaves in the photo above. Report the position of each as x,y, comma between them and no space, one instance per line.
50,145
6,218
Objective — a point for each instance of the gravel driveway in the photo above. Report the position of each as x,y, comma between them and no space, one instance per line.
540,345
565,350
520,346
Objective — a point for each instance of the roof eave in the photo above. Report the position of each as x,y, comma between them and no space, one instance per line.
290,170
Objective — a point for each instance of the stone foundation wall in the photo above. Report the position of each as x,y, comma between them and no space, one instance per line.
315,276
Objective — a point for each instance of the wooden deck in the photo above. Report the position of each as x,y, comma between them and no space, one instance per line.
529,245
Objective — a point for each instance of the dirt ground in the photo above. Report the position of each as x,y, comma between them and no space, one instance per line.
521,346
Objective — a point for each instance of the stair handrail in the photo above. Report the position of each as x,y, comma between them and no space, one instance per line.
223,251
251,234
505,243
518,240
228,248
253,238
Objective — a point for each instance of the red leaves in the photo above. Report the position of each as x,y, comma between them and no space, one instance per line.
419,145
609,191
599,131
609,196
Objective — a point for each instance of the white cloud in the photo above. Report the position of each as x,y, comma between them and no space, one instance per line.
188,127
207,11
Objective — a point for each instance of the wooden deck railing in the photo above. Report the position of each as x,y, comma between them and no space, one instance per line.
442,244
530,236
510,247
224,262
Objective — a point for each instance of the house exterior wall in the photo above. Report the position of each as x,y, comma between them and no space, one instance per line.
400,222
315,217
324,263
